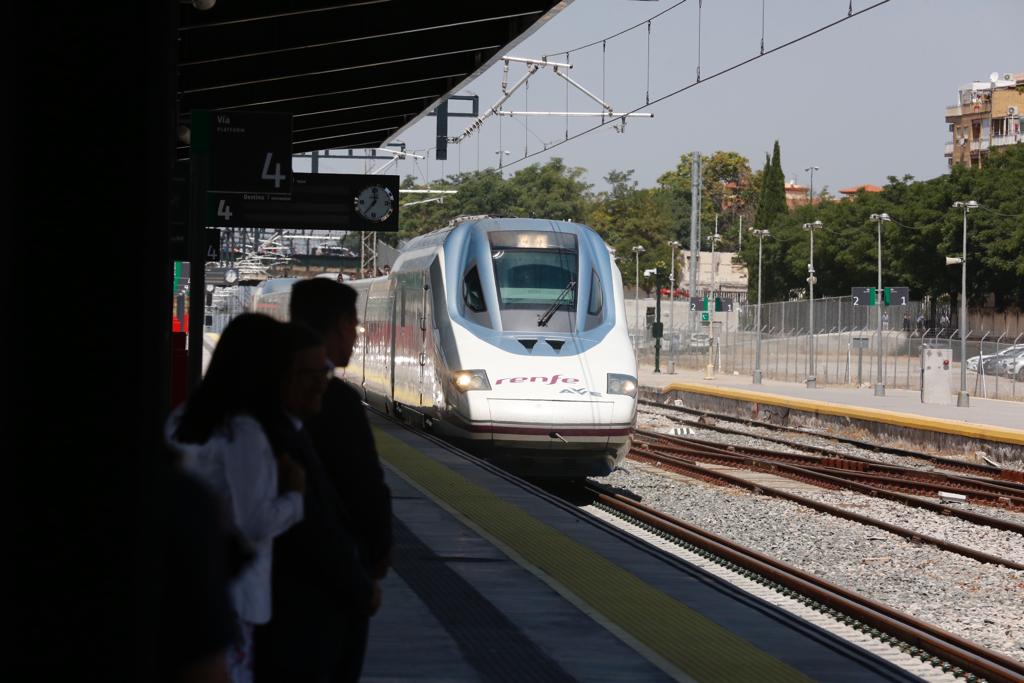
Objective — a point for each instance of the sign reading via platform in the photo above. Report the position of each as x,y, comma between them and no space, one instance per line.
319,201
248,151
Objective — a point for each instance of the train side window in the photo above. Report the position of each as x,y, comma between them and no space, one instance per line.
596,304
472,292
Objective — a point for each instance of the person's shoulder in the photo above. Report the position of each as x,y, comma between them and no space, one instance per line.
341,391
244,428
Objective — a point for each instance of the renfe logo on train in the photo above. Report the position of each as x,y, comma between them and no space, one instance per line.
538,380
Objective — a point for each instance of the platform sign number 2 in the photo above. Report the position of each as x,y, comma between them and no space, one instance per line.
276,176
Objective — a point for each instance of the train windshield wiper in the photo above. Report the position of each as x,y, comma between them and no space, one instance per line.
543,320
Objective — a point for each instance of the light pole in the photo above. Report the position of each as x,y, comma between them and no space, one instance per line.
879,218
760,235
812,381
502,153
638,249
963,399
712,300
672,288
812,169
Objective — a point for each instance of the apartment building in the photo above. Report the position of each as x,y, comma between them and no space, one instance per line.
988,114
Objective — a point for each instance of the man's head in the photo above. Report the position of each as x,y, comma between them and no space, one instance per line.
306,381
329,308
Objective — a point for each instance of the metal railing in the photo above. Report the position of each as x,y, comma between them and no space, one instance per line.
846,347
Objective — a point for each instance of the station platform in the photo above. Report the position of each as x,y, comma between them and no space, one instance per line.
494,579
985,421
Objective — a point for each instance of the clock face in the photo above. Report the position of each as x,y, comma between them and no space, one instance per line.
230,276
375,203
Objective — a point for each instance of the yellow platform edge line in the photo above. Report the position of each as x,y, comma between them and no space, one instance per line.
683,637
934,424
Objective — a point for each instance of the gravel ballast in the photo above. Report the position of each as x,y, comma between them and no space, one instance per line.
977,601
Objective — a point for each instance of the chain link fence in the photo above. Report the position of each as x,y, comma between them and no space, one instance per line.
846,346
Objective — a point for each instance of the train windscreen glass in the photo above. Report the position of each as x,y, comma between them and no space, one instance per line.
535,269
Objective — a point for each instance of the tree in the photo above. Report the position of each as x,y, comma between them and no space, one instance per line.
771,215
726,190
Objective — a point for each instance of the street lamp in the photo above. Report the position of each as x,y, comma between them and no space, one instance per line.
638,249
812,169
502,153
712,300
672,288
879,218
760,235
963,399
812,381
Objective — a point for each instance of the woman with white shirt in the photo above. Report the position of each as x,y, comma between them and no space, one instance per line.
221,432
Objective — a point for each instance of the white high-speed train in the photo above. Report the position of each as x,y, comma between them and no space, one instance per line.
505,335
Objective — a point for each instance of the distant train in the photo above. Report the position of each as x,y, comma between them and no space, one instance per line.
507,336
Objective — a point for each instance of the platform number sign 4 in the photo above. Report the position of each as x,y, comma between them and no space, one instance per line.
212,245
243,151
277,177
224,210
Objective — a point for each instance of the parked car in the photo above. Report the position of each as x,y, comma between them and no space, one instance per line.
665,291
989,362
1011,366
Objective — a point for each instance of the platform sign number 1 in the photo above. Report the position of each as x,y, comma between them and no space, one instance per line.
276,176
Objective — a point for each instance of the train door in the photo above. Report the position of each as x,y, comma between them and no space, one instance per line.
397,316
424,320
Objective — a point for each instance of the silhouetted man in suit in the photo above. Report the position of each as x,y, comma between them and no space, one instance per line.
342,436
320,585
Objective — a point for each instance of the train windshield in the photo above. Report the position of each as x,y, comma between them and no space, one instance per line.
535,269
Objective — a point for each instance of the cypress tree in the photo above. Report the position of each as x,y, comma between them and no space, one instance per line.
765,179
774,200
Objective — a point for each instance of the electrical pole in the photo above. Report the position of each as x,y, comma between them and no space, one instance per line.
879,218
695,172
672,288
812,169
963,399
637,250
812,381
760,234
712,300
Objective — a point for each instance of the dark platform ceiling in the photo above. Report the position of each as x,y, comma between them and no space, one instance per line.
352,73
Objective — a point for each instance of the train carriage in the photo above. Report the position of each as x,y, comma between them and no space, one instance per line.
507,336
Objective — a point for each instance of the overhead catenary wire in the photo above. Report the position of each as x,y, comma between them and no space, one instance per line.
694,84
700,10
1003,215
619,33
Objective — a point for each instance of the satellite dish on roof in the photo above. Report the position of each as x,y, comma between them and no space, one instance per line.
994,76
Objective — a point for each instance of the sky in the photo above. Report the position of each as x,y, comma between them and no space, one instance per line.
862,100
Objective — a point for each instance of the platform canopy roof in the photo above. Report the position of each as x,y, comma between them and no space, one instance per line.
353,73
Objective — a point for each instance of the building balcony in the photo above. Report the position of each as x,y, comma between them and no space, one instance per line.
1003,140
949,148
967,109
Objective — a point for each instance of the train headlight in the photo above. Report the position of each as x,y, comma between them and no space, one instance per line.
470,380
624,385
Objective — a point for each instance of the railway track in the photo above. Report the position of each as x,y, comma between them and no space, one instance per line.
889,477
1012,478
918,638
675,452
691,468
